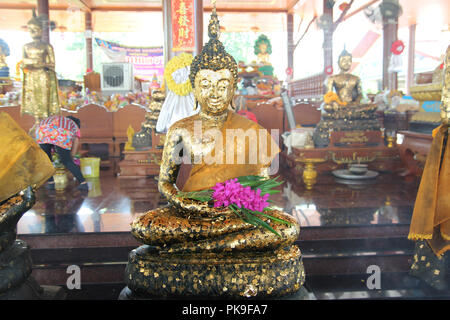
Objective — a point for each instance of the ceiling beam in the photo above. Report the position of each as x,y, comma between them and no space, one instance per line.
125,8
84,5
27,6
246,10
360,9
291,4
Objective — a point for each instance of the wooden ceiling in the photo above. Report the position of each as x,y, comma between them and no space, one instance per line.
154,5
235,15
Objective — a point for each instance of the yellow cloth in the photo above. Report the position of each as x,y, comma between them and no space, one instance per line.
204,176
22,162
431,216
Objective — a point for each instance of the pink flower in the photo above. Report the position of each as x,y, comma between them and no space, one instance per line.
232,192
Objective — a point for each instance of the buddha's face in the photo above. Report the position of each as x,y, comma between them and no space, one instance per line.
35,31
345,63
214,90
263,47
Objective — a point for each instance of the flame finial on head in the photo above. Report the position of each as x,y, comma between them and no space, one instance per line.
345,53
35,20
213,55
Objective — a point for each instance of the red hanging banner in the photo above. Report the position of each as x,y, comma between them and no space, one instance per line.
183,32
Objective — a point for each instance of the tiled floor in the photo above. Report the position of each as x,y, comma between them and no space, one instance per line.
345,228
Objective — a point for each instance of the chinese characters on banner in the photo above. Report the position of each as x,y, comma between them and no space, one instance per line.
183,32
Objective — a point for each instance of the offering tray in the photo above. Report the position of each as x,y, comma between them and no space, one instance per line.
346,174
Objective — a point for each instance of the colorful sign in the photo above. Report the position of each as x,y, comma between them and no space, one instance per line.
183,25
432,106
147,61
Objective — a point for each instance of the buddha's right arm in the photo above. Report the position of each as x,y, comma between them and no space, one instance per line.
330,83
169,168
168,173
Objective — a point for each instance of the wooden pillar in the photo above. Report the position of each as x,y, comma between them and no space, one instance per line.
290,40
327,38
88,37
390,28
167,27
198,16
43,13
411,57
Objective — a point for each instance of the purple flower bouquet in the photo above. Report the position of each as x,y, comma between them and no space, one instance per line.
247,197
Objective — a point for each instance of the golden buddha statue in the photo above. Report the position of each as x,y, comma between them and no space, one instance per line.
40,85
194,249
342,105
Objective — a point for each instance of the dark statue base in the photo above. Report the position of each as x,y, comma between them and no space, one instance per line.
15,280
150,275
301,294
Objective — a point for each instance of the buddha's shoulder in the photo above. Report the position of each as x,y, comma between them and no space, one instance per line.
184,123
244,123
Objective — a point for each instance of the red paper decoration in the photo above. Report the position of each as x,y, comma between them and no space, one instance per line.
329,70
397,47
343,6
289,71
249,115
183,29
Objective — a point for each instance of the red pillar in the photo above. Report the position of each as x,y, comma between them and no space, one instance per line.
290,40
43,13
390,28
411,56
327,38
198,15
167,24
88,37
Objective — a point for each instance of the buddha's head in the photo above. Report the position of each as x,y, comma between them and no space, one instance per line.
345,61
214,73
35,27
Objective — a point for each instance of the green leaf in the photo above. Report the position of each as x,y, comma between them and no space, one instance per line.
258,222
273,218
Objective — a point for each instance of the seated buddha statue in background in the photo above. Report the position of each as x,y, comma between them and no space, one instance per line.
342,105
194,249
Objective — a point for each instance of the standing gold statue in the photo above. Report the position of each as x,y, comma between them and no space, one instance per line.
40,85
430,224
198,250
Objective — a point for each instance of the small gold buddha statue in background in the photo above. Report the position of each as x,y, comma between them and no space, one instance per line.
346,85
342,105
40,85
193,249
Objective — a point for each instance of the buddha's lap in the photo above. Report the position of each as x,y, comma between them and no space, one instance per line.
166,225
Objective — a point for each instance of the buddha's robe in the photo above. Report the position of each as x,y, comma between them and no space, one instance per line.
431,216
22,161
250,158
